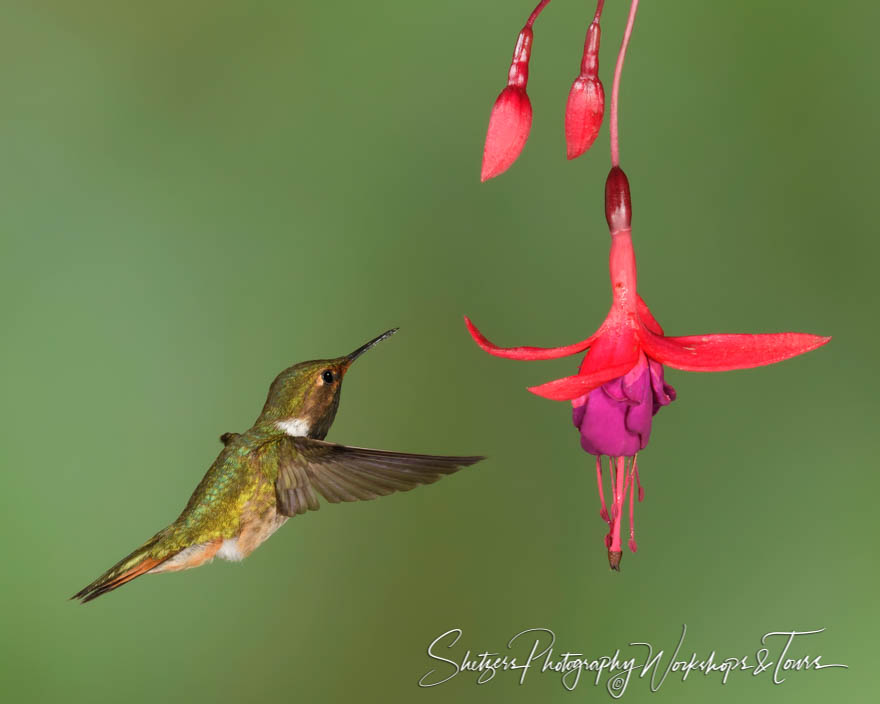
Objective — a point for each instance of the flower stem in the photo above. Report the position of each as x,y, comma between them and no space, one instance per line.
537,11
615,89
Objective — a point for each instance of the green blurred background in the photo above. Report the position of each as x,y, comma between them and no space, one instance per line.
198,194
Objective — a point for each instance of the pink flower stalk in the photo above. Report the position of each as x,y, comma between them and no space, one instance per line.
620,385
586,99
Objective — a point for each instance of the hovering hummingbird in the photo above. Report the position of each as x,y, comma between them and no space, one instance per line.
273,471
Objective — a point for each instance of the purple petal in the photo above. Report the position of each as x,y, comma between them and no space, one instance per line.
616,419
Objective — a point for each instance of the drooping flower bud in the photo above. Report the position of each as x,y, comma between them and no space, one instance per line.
586,99
511,118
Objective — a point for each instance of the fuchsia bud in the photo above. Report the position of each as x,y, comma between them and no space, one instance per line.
508,131
618,204
586,100
511,117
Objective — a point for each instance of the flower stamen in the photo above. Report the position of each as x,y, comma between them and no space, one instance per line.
613,487
638,482
632,527
615,552
603,512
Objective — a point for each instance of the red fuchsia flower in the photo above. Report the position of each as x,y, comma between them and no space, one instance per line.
511,119
620,386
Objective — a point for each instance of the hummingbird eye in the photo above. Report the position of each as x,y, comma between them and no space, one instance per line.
327,376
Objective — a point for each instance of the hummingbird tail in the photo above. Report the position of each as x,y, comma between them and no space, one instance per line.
134,565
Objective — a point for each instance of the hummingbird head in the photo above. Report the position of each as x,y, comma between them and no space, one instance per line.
303,398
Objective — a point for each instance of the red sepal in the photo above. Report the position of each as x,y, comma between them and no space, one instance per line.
648,320
526,353
572,387
720,353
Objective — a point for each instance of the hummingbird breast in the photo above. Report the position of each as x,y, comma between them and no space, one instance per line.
258,520
256,529
257,526
229,516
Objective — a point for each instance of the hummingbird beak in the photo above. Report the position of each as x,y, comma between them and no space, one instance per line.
363,348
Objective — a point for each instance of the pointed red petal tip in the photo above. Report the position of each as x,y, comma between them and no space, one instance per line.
722,353
586,99
525,353
509,126
583,115
618,204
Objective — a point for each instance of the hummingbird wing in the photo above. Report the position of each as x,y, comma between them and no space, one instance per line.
308,467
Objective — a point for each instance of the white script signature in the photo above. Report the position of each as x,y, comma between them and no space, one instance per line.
534,650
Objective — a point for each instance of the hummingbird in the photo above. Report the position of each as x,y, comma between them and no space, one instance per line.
277,469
